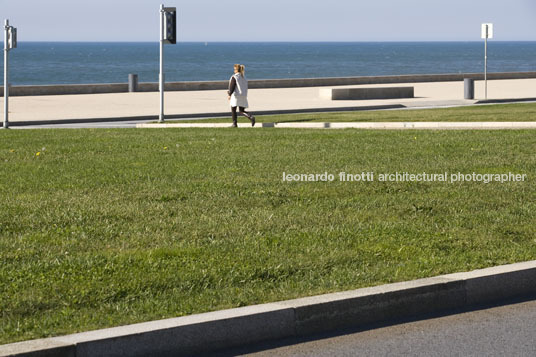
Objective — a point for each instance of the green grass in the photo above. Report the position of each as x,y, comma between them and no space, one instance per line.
110,227
494,112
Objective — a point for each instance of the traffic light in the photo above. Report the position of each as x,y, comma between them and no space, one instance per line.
170,25
11,37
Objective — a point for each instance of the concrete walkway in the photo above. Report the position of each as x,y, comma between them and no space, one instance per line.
188,104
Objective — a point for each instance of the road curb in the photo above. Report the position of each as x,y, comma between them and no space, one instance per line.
212,331
510,100
358,125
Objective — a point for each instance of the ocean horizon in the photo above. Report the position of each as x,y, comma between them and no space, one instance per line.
42,63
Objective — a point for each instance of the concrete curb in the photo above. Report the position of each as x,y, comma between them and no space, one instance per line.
358,125
508,100
235,327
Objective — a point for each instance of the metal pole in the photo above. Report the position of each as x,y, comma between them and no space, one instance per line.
6,71
486,63
161,116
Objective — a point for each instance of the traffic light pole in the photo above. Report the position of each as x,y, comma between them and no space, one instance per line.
6,73
486,32
168,34
161,77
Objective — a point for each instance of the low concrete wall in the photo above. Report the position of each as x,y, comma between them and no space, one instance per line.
366,93
257,83
66,89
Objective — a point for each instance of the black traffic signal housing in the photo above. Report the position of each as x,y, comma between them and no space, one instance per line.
11,37
170,25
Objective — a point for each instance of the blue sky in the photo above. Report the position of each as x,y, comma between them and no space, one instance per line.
272,20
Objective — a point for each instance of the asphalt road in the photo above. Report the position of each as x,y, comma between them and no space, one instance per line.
508,330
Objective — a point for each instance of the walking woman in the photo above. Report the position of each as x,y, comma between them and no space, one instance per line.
238,94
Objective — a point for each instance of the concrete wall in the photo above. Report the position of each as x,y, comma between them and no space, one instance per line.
257,83
361,93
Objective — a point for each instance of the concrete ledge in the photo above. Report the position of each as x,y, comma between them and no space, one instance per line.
359,125
188,335
508,100
383,303
366,93
47,347
498,283
230,328
58,89
28,90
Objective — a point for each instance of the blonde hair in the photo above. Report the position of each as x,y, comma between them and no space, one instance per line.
240,69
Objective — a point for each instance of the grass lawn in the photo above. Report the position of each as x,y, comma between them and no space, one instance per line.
490,112
101,227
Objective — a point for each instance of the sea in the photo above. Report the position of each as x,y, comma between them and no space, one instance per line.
41,63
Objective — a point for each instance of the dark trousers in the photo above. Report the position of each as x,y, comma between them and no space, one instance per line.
242,111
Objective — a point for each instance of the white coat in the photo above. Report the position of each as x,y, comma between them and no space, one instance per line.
239,98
